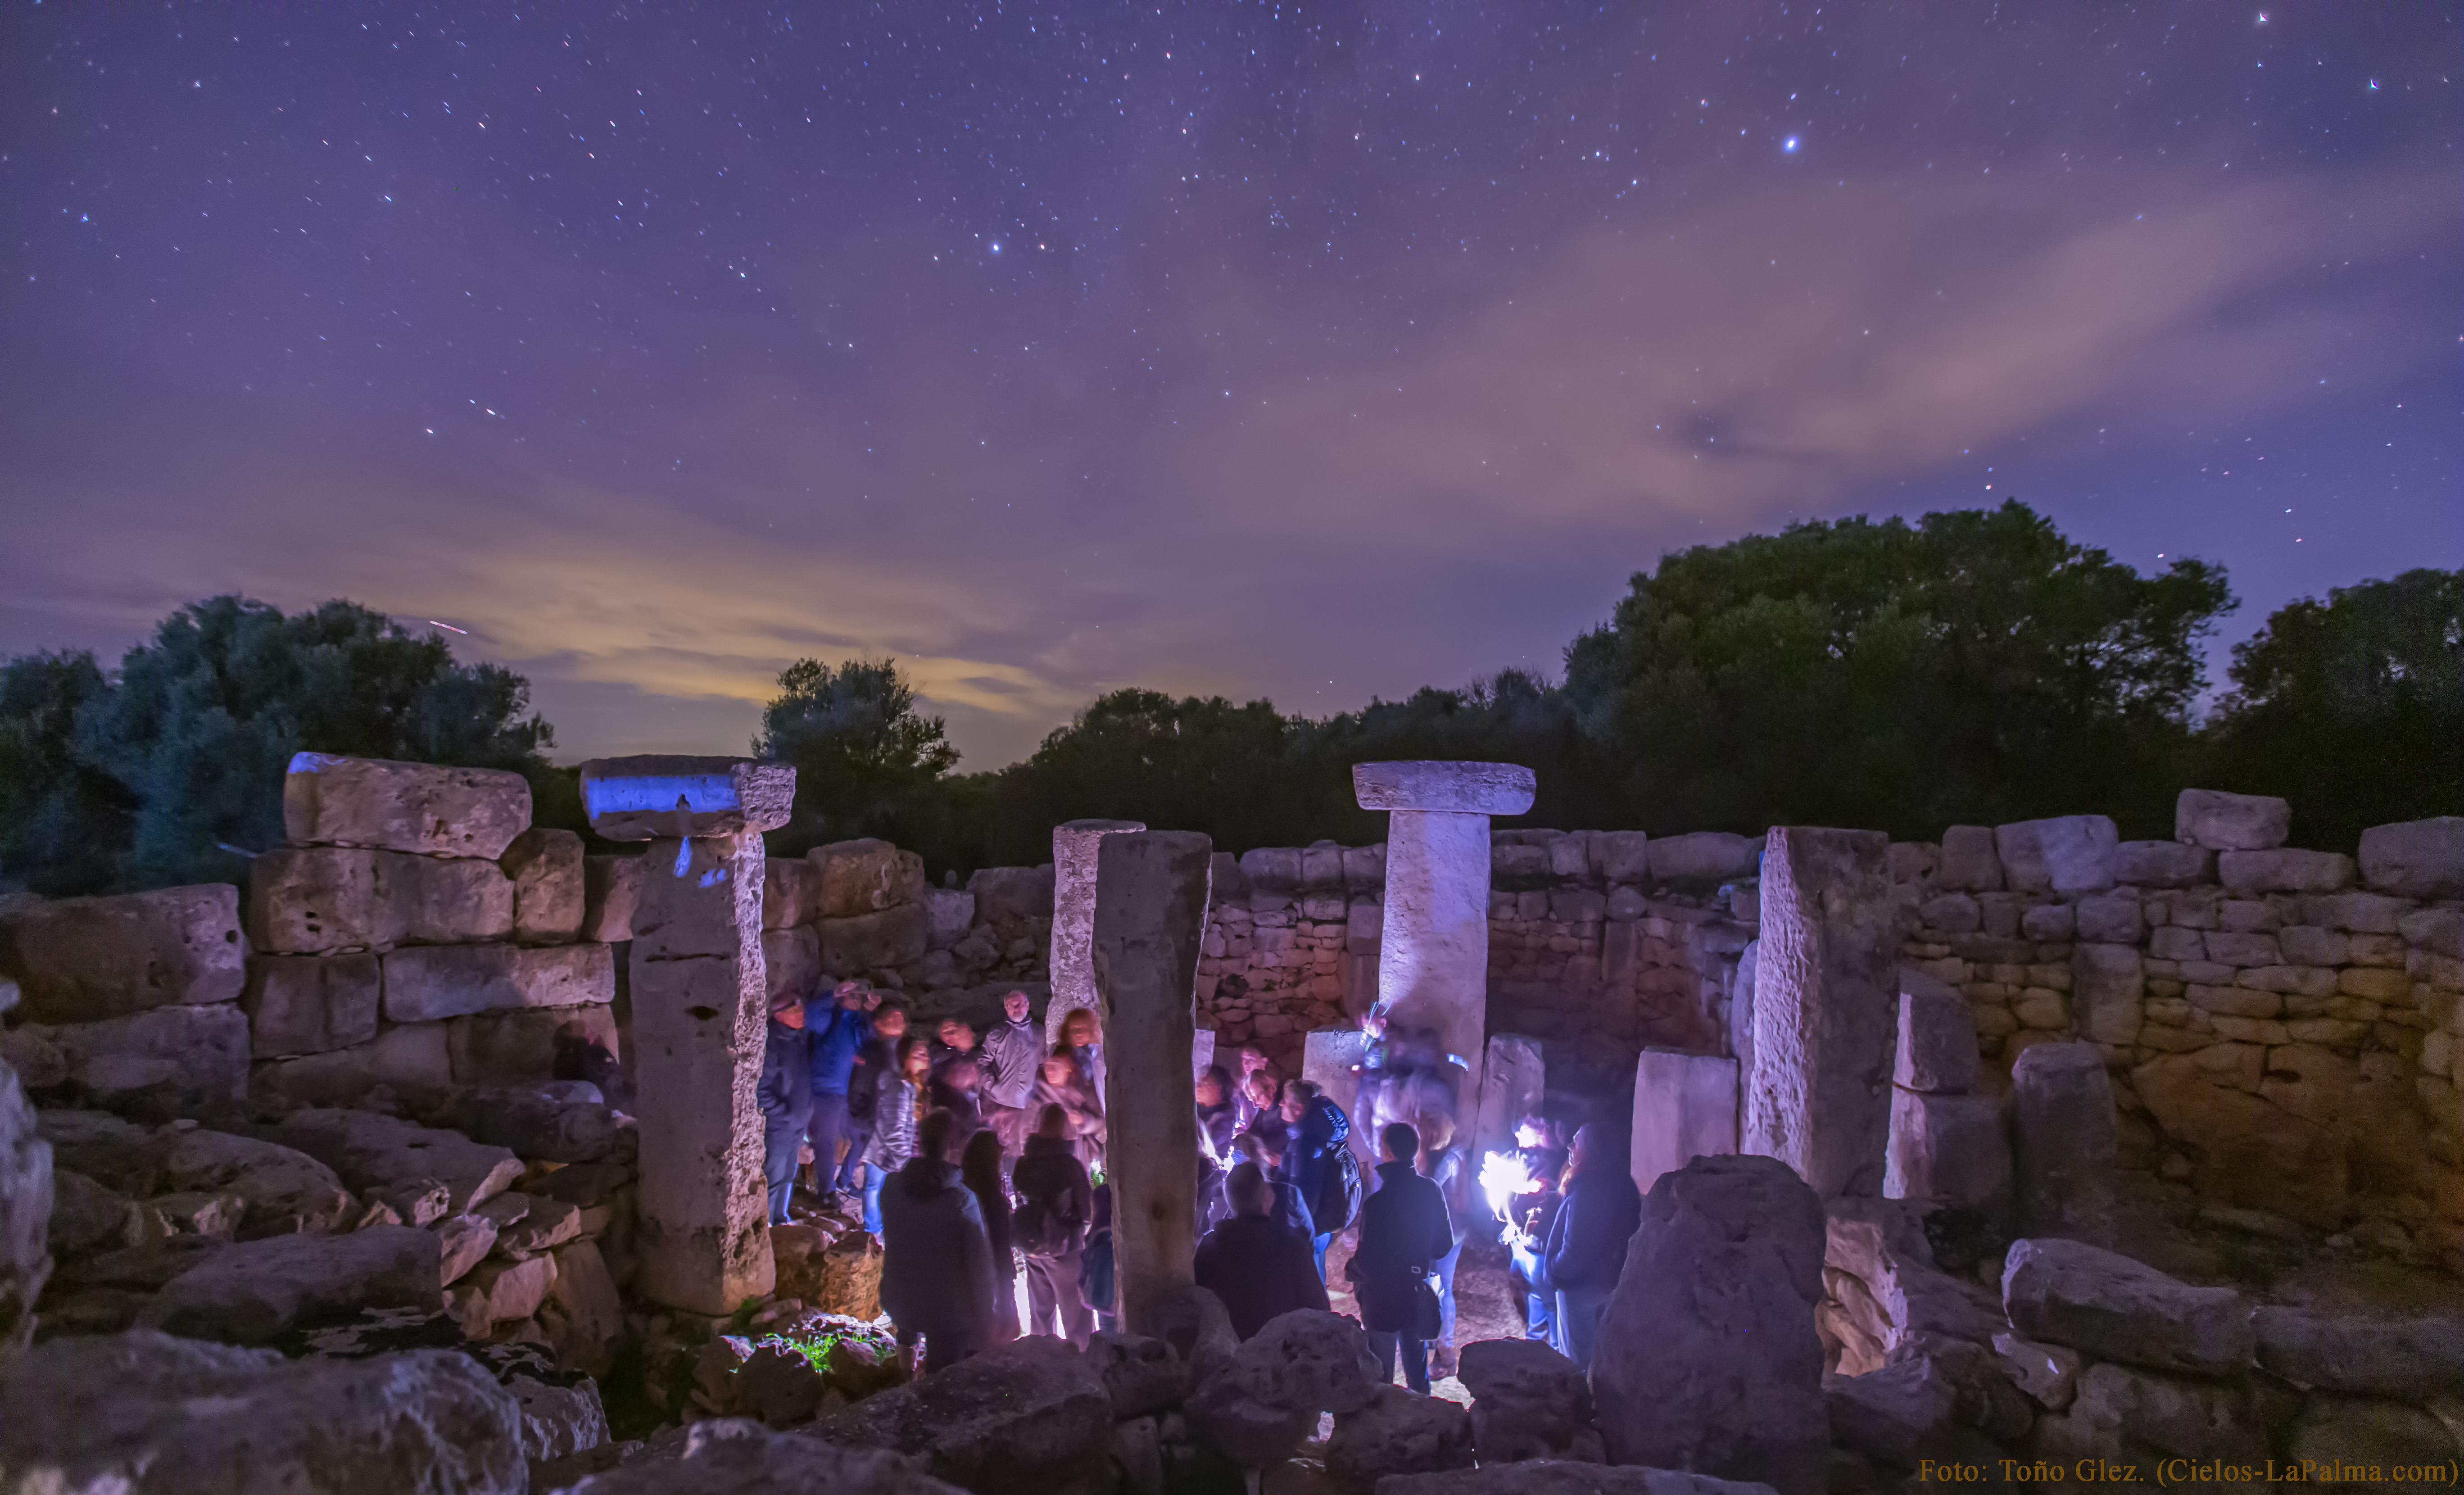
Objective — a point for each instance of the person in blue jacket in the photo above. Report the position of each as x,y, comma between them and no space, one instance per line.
1317,1129
1587,1240
785,1094
839,1033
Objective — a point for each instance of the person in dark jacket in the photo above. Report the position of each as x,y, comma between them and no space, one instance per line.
875,1064
785,1096
1218,1118
936,1265
1258,1266
1403,1234
1265,1109
1284,1202
839,1033
1587,1240
1316,1129
1013,1050
979,1168
1055,1204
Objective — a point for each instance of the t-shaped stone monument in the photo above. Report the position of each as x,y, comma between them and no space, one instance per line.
699,1013
1433,959
1071,963
1150,917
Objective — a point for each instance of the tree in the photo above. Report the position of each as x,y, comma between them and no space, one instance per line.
197,730
62,822
1188,764
867,762
1975,665
2353,709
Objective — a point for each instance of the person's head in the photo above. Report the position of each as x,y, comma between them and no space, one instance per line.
1255,1149
1263,1089
890,1021
933,1135
1297,1097
1252,1060
1246,1189
851,995
787,1009
1400,1140
1594,1148
1213,1087
1014,1006
1052,1121
914,1057
981,1159
1079,1029
1436,1131
957,1035
1060,1068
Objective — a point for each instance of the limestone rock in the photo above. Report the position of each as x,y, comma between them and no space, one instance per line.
549,891
2068,1292
314,900
173,1061
1009,895
740,1458
426,983
2222,822
1461,787
1141,1375
88,1218
462,1243
2049,1373
854,878
247,1294
504,1292
283,1190
1708,1359
657,797
548,1223
1902,1413
2368,1356
2064,1141
1937,1037
410,1058
374,1154
537,1122
1399,1432
559,1421
610,886
1018,1418
1704,856
948,914
2163,863
840,1276
2417,858
83,959
25,1217
145,1413
102,1147
310,1004
1547,1477
441,901
791,960
38,1062
583,1316
1948,1148
1617,856
517,1047
1527,1402
2361,1433
2107,985
1968,863
1684,1108
874,941
1243,1429
2133,1415
1308,1361
425,808
2285,869
790,884
2067,853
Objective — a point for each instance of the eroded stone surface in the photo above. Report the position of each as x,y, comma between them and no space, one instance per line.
249,1293
1019,1418
2066,853
83,959
660,797
1452,787
1072,958
430,983
550,891
2416,858
2068,1292
2222,822
427,808
376,1153
1826,988
311,1004
2063,1140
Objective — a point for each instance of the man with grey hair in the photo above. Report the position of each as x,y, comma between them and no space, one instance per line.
1013,1050
1258,1265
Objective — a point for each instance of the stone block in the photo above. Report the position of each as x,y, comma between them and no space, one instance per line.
1949,1149
1570,855
854,878
1951,914
2107,986
2111,918
2222,822
1512,864
2125,1418
1322,864
1007,896
308,1004
2439,931
874,941
2049,923
790,892
1462,788
1912,864
2364,1356
1364,927
1399,1435
1684,1108
1825,1009
447,901
611,886
174,1059
376,1153
2112,1307
1625,903
1364,869
250,1293
2285,869
550,894
948,914
1620,856
1016,1418
1577,906
2065,1141
2416,859
83,959
424,983
1970,862
2163,863
659,797
411,1059
2066,853
1705,856
427,809
791,961
1726,1382
317,899
518,1046
1937,1037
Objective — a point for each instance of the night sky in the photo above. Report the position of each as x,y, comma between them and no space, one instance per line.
1314,351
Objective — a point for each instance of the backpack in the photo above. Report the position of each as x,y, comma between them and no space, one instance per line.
1043,1223
1341,1190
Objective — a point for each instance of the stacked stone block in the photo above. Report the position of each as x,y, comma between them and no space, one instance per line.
417,931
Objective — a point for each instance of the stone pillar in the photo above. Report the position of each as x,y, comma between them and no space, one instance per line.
2065,1141
1684,1108
1433,945
1150,916
1069,963
700,1015
1825,1009
1512,1080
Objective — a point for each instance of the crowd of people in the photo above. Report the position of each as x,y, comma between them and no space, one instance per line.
979,1158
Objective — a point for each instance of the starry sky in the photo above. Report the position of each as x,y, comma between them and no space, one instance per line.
1315,351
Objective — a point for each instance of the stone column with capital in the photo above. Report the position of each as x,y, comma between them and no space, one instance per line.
1149,917
1433,955
700,1015
1071,961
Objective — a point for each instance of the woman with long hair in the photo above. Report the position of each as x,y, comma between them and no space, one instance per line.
980,1168
899,1107
1061,1082
1085,1037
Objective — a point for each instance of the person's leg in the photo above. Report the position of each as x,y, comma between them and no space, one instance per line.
828,1129
859,1136
1416,1361
1445,1286
1578,1314
1559,1317
873,1182
780,1146
1043,1302
1382,1344
1536,1317
1317,1248
1077,1324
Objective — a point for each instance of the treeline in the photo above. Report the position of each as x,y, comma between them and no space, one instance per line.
1969,667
